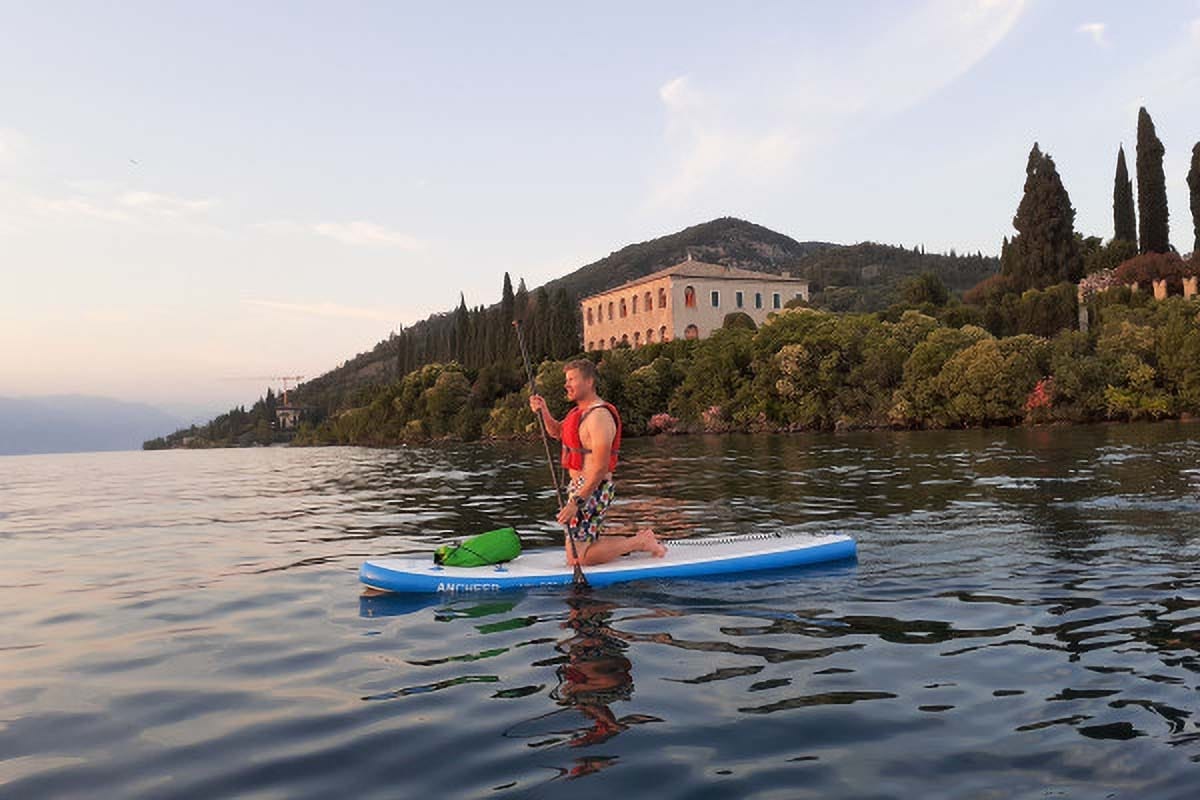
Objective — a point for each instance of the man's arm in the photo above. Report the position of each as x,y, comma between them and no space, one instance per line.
537,404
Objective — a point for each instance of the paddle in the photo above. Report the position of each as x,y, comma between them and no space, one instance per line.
580,578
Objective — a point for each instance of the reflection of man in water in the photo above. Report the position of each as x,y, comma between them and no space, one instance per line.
595,674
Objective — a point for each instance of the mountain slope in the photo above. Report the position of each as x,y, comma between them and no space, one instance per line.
727,241
77,423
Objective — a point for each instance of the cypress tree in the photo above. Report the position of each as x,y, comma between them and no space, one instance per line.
1124,214
1045,250
1193,180
460,329
1152,188
507,301
522,301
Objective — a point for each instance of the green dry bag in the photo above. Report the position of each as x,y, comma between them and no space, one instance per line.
493,547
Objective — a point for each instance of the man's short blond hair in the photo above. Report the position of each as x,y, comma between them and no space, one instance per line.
585,368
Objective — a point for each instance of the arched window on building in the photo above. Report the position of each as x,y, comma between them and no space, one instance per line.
637,338
691,332
612,342
662,298
591,345
625,339
610,310
590,320
649,301
649,335
624,309
662,333
689,297
635,299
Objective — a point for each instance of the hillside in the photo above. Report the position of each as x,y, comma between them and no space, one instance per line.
727,241
869,276
861,277
76,423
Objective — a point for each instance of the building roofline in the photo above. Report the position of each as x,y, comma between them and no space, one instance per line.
688,269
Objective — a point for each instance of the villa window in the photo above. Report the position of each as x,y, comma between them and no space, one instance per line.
739,298
637,338
662,333
758,299
624,310
590,320
662,298
649,302
625,339
649,335
691,332
635,299
775,301
590,346
610,310
716,299
612,342
689,297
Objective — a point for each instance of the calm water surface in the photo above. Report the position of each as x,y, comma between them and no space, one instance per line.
1023,621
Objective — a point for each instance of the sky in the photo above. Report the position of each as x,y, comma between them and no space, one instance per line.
197,197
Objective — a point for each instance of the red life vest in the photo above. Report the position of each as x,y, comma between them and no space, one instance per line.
572,446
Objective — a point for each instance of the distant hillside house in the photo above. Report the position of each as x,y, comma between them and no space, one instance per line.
689,300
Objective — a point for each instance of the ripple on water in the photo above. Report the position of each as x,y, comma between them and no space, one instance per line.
1022,621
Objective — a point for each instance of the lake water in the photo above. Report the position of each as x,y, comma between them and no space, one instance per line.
1023,620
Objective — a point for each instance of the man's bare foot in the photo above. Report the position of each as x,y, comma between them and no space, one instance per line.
650,543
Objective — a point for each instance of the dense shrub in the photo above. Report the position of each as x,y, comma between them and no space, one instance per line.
805,368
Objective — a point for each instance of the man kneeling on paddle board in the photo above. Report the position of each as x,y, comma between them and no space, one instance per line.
591,438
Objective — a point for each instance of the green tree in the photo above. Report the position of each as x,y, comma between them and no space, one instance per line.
988,382
445,401
508,302
1152,188
1193,179
1124,214
925,288
919,399
1044,251
739,319
262,432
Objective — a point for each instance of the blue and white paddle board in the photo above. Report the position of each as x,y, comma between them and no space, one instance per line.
685,558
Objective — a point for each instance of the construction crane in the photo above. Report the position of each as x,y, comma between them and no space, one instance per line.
284,378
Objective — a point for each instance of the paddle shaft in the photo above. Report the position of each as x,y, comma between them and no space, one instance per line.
580,578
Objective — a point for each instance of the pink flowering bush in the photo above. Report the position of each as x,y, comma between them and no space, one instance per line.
713,420
1098,282
662,423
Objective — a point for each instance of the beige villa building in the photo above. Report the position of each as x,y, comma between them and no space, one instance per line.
689,300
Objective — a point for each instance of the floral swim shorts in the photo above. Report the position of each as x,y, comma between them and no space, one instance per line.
589,522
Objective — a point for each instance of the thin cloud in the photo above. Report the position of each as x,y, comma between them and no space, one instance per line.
128,207
13,146
157,203
751,132
363,233
1096,30
677,94
333,310
80,206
